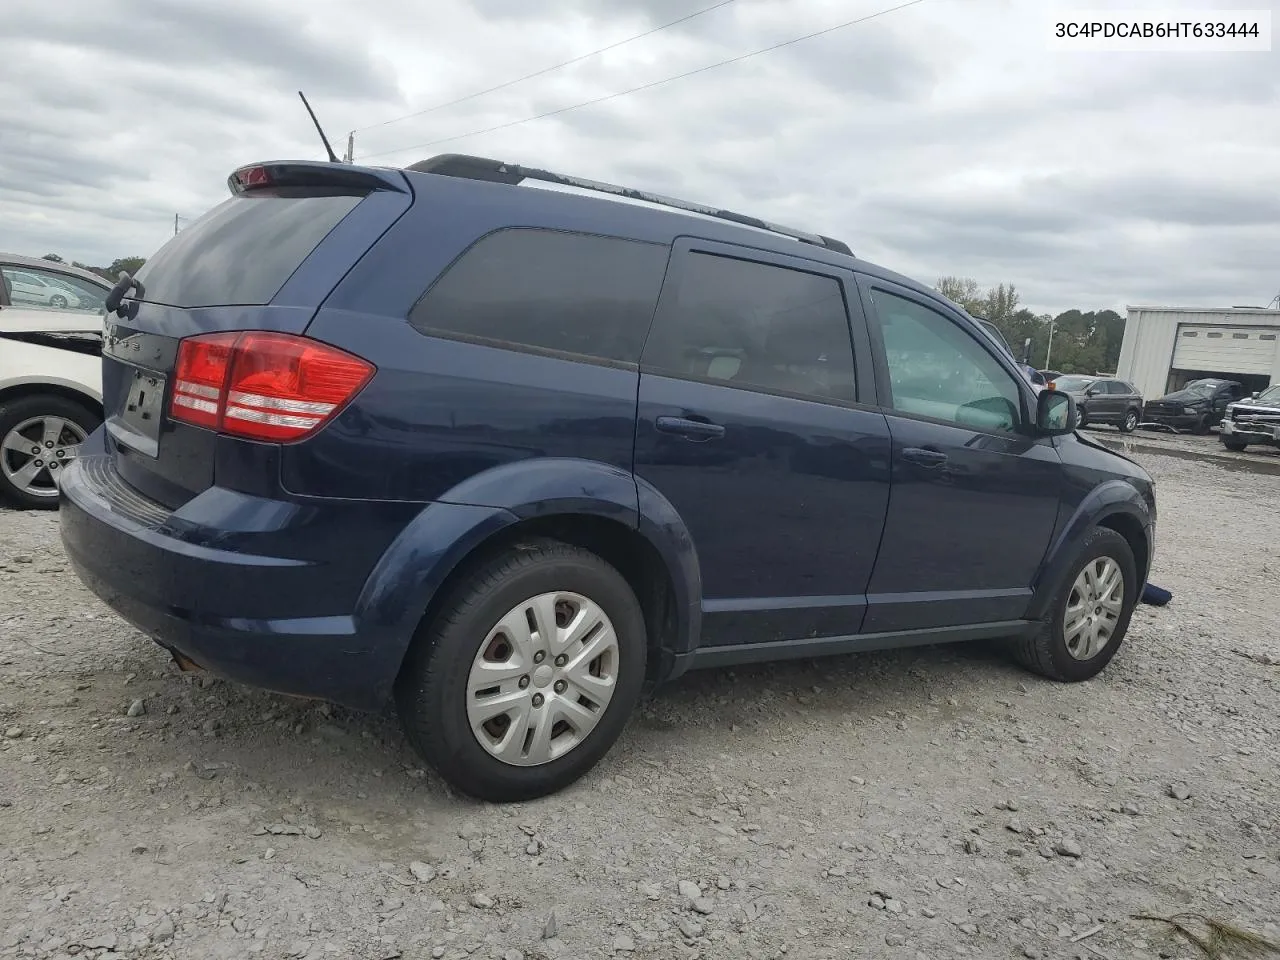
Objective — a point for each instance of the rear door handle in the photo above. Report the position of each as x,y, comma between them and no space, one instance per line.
924,458
690,428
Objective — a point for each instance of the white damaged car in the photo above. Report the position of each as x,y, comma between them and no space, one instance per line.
50,374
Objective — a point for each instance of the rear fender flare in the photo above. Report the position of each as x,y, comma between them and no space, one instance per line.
411,571
1106,500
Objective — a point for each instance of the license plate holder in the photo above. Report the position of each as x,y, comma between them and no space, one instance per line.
137,425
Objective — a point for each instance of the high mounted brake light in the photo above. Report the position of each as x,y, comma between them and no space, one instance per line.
263,386
338,177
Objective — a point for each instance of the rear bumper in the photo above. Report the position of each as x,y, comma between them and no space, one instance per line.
277,622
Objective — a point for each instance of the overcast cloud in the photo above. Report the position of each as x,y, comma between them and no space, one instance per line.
940,139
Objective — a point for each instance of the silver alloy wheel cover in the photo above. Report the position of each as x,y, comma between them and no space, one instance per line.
1093,608
542,679
1131,420
27,451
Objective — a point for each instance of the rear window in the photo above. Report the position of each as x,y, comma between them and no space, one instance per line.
243,250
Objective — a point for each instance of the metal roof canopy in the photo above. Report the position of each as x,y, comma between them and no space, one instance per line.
495,171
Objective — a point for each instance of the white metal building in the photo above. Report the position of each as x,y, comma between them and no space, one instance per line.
1165,347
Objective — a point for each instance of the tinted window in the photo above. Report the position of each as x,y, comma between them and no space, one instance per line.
568,292
755,325
1126,388
33,288
937,370
1116,388
243,250
1074,384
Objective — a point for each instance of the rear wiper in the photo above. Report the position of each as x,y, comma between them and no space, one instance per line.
119,292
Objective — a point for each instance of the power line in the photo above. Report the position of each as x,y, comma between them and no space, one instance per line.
545,70
651,85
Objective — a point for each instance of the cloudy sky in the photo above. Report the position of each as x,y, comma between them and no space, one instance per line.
944,138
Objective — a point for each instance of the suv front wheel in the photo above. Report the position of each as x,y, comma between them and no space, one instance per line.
527,675
1087,620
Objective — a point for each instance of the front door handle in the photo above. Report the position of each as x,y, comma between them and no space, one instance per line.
924,458
689,428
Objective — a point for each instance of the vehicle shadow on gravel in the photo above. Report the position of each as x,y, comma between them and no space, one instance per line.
285,744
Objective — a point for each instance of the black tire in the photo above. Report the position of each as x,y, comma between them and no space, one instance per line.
431,689
1082,418
1130,421
58,301
28,407
1046,653
1235,446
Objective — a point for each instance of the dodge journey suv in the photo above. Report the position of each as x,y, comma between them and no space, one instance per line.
508,454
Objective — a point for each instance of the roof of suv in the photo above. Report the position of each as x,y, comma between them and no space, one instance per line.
643,209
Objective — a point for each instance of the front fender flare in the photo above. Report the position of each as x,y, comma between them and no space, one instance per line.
1105,500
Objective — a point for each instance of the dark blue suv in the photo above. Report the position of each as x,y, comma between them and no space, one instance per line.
508,446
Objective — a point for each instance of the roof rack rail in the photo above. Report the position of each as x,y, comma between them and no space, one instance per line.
481,168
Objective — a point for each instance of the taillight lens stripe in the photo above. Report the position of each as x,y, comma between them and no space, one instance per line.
275,419
196,389
263,386
195,403
277,403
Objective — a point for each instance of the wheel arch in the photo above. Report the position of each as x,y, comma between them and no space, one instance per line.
1115,505
595,506
11,391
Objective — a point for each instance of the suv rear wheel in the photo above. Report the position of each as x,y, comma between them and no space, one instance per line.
39,435
1130,422
527,675
1087,621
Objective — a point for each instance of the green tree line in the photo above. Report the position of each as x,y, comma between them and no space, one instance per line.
1083,341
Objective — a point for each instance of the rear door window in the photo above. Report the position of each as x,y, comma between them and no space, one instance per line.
756,325
243,250
575,293
33,287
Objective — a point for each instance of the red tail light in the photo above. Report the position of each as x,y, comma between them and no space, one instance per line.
263,386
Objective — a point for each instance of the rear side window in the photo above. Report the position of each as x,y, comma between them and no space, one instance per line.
548,290
243,250
756,325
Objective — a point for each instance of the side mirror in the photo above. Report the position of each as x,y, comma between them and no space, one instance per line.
1055,413
1026,351
1254,395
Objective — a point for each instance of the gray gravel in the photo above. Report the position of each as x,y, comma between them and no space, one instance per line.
927,803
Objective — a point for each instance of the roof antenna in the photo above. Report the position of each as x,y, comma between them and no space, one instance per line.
333,157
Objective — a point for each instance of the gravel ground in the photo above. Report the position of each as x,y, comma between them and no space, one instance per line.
923,804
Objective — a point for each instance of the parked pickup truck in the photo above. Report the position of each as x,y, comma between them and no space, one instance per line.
1256,420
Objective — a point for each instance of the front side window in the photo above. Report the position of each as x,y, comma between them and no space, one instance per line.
575,293
937,370
50,290
756,325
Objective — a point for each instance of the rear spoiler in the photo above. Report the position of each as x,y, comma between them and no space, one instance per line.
311,173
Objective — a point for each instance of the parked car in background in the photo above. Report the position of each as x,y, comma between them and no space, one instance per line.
1103,400
1256,421
1051,375
45,284
50,396
509,454
1198,406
